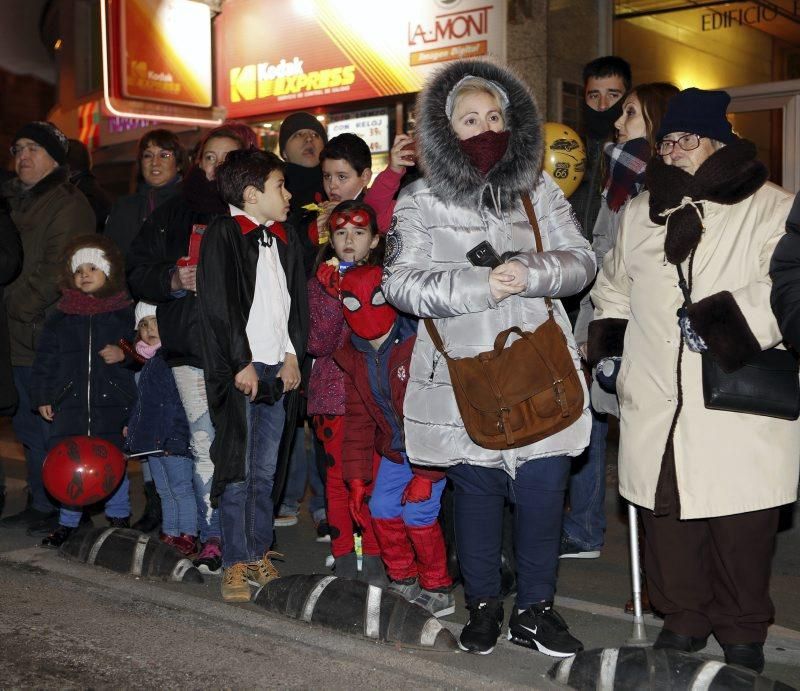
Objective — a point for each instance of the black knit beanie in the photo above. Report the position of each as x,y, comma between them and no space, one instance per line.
299,121
48,136
698,112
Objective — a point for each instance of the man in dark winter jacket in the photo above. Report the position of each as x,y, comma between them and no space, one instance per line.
48,212
605,82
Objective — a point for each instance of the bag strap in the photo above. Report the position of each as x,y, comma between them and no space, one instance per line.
526,202
433,332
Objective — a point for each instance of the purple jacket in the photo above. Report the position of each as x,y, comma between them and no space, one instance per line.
327,333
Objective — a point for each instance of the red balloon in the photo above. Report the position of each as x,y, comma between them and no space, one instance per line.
80,471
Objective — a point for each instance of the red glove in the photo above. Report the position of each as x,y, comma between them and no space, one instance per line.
328,276
419,489
356,499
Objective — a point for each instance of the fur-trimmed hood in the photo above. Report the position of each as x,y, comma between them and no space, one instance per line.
449,172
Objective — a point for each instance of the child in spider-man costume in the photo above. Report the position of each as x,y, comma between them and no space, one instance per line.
403,499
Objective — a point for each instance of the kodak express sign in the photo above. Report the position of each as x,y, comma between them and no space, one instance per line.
166,51
281,55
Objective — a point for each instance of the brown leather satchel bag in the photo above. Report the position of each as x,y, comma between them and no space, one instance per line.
515,396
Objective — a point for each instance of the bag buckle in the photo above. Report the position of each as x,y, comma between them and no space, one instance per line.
560,390
504,424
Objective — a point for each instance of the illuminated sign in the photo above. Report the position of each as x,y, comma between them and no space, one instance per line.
371,125
276,55
750,15
166,49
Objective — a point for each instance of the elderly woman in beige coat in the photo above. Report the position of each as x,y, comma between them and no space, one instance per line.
710,481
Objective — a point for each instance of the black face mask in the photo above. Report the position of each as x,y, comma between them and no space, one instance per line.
600,123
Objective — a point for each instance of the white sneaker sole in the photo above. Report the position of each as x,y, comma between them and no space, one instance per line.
209,572
534,644
285,522
475,652
590,554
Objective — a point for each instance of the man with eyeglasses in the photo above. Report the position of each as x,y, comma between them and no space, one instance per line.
689,276
48,212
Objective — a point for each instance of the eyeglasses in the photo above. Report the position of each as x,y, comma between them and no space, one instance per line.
19,149
164,155
687,142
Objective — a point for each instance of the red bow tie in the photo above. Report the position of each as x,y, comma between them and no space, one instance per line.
275,229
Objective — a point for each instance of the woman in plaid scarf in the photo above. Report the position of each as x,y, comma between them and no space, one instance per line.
625,163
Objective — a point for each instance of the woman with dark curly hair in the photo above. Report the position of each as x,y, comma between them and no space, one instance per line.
77,382
161,161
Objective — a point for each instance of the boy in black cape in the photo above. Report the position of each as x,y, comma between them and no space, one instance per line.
254,319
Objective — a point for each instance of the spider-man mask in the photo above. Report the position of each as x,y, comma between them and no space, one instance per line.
365,309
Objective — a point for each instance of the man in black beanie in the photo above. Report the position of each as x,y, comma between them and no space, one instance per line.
687,289
300,141
48,212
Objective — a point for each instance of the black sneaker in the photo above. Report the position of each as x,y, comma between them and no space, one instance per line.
540,627
58,537
323,531
481,632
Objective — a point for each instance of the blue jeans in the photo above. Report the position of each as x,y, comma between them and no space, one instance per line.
537,494
118,505
303,469
246,508
173,478
192,390
585,522
32,432
387,493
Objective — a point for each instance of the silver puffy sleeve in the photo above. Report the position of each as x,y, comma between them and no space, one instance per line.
414,284
568,265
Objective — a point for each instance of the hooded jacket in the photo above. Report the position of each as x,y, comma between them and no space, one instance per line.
437,220
47,215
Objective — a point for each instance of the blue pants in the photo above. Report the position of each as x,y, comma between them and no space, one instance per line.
32,432
246,508
390,482
537,494
173,478
303,469
585,522
118,505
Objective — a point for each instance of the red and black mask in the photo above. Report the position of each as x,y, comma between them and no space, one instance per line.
365,309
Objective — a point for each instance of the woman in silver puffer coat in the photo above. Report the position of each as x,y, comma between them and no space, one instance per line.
479,140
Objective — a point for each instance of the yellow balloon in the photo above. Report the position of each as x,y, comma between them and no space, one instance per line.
564,156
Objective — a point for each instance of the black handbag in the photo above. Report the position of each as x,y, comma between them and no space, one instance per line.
767,384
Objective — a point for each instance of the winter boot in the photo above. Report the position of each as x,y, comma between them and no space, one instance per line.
151,518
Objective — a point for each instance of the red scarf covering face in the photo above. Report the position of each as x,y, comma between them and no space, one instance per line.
76,302
484,150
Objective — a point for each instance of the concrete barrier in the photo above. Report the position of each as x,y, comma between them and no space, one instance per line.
355,608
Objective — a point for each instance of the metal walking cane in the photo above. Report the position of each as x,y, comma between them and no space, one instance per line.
638,633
